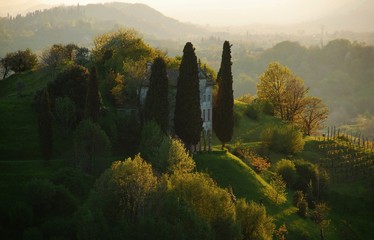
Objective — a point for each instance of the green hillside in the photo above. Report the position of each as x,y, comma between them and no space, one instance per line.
18,126
229,171
351,201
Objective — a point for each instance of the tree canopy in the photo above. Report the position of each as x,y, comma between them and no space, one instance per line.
187,117
279,85
223,109
157,102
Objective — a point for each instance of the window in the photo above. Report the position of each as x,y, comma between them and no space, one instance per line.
203,115
208,115
208,100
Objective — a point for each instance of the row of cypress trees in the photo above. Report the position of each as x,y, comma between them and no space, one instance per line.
45,116
187,117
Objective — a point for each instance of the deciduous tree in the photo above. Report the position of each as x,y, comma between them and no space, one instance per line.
277,192
19,61
129,183
72,83
283,89
313,115
255,224
223,109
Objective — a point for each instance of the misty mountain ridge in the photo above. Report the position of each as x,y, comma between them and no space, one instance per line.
356,16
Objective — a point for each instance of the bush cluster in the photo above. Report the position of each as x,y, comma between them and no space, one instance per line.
284,139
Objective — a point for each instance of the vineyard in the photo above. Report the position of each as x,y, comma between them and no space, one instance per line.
346,157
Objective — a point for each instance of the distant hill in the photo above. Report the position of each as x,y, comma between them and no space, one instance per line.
80,24
355,16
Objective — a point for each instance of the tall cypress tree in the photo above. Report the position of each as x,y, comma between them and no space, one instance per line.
92,108
223,109
45,118
187,117
157,102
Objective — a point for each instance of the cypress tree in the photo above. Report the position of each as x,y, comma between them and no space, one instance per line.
92,108
187,117
157,102
223,108
45,118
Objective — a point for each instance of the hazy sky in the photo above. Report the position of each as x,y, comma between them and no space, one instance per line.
231,12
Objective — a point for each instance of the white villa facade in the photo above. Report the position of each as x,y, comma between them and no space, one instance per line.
206,85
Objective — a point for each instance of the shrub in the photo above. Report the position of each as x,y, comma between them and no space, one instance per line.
252,112
65,111
264,106
302,208
255,224
259,163
91,143
298,196
308,173
300,202
154,146
40,194
286,168
285,139
247,98
276,192
73,179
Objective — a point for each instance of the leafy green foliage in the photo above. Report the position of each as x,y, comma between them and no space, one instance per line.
73,179
154,145
286,168
312,180
126,133
223,107
319,217
210,202
179,161
112,49
252,112
90,143
128,183
300,201
47,199
92,108
72,83
283,139
65,112
255,224
283,90
157,103
277,192
187,117
19,61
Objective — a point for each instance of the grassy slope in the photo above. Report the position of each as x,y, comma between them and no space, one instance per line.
345,200
230,171
18,125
